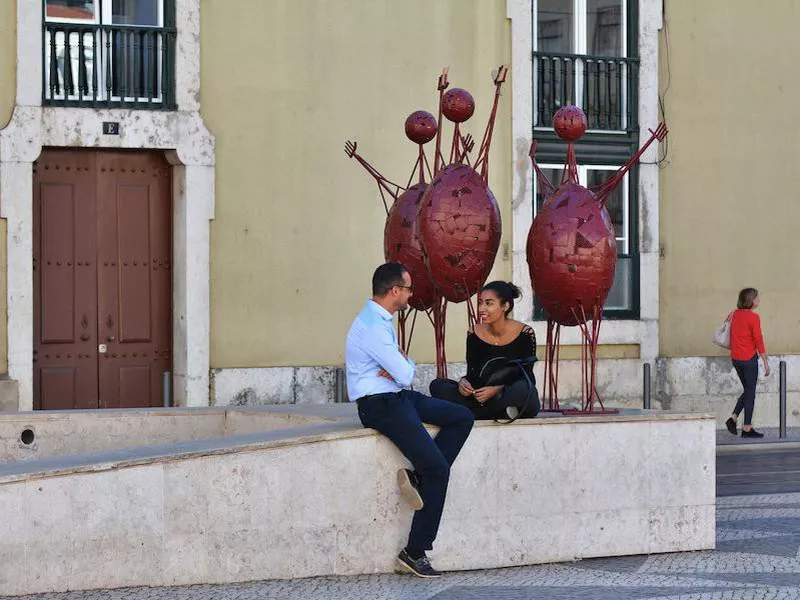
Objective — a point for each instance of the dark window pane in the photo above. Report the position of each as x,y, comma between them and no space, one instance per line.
84,10
554,175
554,20
136,12
621,295
604,27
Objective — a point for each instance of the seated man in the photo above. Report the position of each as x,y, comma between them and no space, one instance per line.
378,375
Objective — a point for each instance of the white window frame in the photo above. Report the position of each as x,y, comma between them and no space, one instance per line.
580,20
103,16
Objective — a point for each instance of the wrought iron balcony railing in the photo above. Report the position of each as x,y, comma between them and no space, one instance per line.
605,87
108,66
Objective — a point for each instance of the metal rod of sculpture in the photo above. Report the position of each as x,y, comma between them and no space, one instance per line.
572,257
427,231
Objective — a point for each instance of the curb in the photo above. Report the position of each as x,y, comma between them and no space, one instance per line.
757,446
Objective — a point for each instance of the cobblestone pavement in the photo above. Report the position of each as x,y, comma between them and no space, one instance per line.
758,539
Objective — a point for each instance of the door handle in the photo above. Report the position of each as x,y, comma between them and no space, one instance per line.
110,325
85,325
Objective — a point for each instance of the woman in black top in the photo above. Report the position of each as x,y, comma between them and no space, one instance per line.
495,335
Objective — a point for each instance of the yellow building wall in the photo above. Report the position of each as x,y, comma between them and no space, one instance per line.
8,63
298,229
730,206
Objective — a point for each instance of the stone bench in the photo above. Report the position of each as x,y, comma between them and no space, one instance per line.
322,500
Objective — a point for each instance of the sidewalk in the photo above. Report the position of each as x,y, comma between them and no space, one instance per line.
731,442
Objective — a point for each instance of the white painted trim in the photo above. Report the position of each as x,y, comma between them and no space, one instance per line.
644,331
190,148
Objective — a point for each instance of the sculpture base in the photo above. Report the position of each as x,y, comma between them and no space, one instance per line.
577,412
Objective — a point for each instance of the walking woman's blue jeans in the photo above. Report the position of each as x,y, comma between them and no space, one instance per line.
747,370
399,416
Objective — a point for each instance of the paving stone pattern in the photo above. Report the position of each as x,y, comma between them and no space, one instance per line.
757,558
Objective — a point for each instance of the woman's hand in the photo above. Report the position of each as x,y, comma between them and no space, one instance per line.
485,393
465,387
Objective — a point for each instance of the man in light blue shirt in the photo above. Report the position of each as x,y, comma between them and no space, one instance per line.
378,377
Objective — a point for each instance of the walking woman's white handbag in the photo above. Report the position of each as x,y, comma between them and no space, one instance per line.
722,334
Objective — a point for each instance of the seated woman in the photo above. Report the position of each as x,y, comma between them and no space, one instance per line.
495,335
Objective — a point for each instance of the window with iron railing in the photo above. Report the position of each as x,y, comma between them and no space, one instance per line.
581,56
109,53
585,53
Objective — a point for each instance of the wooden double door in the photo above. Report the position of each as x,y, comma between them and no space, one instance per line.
102,258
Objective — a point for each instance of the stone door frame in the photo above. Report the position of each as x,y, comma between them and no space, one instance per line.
188,146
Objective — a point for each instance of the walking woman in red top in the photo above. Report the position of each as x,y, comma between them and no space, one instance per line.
747,344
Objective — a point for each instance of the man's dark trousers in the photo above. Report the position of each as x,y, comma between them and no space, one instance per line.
399,416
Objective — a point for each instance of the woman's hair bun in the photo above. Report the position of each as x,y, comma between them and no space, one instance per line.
515,291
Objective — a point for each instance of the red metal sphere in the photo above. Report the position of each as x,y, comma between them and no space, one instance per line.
401,244
421,127
569,123
460,230
572,254
458,105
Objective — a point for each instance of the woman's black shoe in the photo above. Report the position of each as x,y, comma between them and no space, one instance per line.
731,425
752,434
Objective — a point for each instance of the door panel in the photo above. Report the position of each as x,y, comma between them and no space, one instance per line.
65,281
102,257
134,288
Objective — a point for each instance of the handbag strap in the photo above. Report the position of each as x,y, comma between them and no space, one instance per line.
520,363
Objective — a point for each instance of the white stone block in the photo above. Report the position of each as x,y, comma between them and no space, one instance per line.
684,528
314,385
686,376
535,491
253,387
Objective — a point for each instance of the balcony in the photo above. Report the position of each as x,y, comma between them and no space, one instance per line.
605,87
111,66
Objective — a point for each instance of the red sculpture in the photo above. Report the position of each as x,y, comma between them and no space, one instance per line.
446,233
572,257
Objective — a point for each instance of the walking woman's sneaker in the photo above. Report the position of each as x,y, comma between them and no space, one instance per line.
409,488
421,567
731,425
752,434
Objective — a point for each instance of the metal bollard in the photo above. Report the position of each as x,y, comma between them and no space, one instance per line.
646,387
166,388
782,392
340,386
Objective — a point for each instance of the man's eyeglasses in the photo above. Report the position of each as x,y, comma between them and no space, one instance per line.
410,288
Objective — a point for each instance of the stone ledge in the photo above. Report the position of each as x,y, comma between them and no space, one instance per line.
326,503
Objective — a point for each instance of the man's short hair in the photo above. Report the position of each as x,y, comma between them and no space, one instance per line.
386,277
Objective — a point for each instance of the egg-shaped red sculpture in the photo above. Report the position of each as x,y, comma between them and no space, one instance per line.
572,254
458,105
569,123
460,231
421,127
401,243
